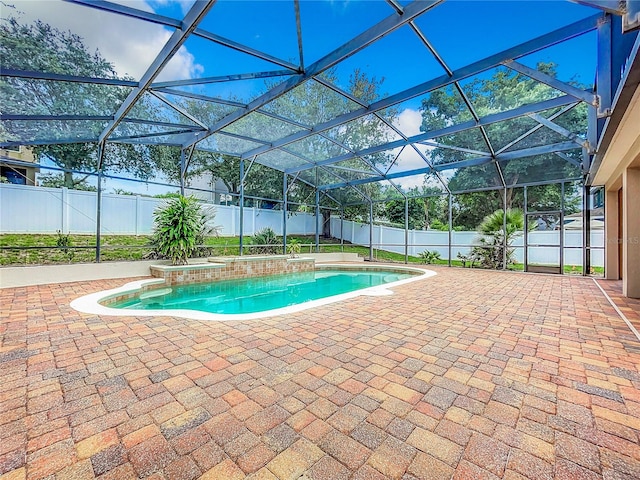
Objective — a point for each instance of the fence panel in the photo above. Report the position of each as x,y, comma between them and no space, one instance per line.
28,209
31,210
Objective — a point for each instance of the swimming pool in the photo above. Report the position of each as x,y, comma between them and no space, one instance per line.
249,298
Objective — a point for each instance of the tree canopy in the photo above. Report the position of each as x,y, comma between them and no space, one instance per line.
504,90
41,47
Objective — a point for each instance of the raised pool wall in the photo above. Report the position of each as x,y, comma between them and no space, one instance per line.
23,276
231,268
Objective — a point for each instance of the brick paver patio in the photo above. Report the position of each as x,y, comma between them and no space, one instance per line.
467,375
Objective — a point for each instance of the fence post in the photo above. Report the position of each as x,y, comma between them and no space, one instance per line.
371,231
342,229
64,227
138,215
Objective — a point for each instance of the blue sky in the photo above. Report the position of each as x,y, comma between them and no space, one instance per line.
462,32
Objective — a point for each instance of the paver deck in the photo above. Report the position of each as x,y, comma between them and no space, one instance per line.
468,375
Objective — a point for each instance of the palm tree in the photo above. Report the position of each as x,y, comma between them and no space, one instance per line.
494,238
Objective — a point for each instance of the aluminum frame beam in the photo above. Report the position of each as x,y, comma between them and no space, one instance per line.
177,39
129,12
386,26
489,119
222,78
609,6
148,135
560,130
557,36
63,141
296,7
177,108
291,68
59,77
536,128
96,118
579,94
198,96
567,158
173,23
527,152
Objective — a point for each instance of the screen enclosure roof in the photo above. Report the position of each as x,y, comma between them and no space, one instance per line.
422,97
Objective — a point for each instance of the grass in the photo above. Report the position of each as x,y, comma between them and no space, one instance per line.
42,249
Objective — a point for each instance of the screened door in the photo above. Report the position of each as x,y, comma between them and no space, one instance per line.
543,242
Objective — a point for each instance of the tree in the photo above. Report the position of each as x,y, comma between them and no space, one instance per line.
426,206
310,103
260,181
495,238
40,47
57,180
180,228
504,90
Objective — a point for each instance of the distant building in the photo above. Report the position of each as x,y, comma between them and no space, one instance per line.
210,190
13,168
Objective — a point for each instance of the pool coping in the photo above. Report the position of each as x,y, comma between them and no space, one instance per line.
91,303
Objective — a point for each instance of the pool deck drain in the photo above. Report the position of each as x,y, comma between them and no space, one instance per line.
477,374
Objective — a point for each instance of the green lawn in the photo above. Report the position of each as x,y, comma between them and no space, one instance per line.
36,249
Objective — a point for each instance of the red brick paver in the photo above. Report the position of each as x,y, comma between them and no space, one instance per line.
469,374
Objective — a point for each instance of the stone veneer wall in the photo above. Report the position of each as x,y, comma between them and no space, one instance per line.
231,268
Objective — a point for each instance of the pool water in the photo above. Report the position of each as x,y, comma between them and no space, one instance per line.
258,294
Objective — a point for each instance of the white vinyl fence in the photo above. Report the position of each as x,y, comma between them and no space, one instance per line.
392,240
27,209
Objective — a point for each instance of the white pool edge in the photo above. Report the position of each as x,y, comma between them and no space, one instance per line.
91,303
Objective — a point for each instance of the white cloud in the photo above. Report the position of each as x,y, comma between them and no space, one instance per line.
185,5
407,183
409,121
130,45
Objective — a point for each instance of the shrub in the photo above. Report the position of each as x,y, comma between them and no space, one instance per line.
294,247
265,242
180,228
429,257
63,242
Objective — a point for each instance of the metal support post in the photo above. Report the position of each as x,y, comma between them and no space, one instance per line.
604,72
98,215
505,245
526,231
183,162
450,226
586,231
342,229
562,228
371,231
284,214
317,220
241,204
99,202
406,230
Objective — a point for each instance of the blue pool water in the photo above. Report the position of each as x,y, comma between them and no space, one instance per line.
261,293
